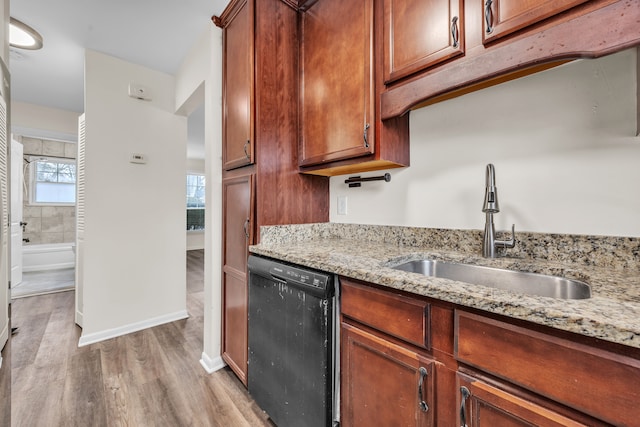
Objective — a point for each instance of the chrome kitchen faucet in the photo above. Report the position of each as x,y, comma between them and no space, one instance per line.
489,243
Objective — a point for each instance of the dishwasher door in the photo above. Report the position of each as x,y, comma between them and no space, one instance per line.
291,348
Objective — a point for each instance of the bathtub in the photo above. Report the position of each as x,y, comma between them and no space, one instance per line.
48,256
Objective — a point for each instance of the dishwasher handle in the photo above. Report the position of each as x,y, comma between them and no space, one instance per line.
279,279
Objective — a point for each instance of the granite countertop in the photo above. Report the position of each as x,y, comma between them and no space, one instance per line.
610,265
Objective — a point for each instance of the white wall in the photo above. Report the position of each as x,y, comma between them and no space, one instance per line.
195,166
201,73
563,144
43,122
134,265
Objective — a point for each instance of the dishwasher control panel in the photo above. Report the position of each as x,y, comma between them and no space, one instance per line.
314,281
299,276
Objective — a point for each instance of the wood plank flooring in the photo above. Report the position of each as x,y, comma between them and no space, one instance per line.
5,381
148,378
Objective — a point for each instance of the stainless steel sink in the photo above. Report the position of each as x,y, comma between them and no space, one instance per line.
516,281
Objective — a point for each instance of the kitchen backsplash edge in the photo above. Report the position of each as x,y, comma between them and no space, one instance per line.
596,251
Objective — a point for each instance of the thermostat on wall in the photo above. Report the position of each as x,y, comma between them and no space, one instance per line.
138,158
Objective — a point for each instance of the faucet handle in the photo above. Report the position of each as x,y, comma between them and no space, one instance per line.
511,243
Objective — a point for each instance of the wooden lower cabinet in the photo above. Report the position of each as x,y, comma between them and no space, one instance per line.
260,179
237,230
474,369
591,380
235,297
397,367
384,384
484,405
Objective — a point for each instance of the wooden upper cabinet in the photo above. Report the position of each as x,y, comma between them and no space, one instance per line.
502,17
337,82
260,180
419,34
523,37
238,85
341,74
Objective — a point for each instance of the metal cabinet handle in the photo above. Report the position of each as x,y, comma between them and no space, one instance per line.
365,135
244,148
246,228
488,16
463,409
455,34
421,403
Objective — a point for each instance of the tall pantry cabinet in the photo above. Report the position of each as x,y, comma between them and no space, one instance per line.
261,182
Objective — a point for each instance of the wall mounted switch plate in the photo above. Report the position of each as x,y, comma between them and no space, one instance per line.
342,205
138,158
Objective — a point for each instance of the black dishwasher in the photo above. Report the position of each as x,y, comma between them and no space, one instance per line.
292,352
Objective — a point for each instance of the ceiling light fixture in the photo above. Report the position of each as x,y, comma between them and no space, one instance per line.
23,36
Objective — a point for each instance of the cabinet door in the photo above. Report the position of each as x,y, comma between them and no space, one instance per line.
337,115
502,17
483,405
419,34
590,380
238,88
237,235
383,384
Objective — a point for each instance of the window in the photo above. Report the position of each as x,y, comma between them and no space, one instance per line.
195,202
54,181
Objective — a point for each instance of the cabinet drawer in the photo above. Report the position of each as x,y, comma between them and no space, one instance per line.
405,318
490,406
596,382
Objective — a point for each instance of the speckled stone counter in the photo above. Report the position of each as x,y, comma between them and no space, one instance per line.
611,265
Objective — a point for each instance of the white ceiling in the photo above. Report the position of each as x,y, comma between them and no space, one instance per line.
154,33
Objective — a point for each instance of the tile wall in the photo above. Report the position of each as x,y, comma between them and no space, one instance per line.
47,224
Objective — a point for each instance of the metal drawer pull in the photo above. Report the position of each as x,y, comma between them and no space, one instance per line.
246,228
366,131
423,405
463,410
244,148
455,35
488,16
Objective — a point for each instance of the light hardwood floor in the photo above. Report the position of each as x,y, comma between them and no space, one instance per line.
5,383
148,378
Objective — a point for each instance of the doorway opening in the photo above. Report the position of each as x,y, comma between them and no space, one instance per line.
196,208
43,188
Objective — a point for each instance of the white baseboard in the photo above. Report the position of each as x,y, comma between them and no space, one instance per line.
79,318
86,339
211,365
